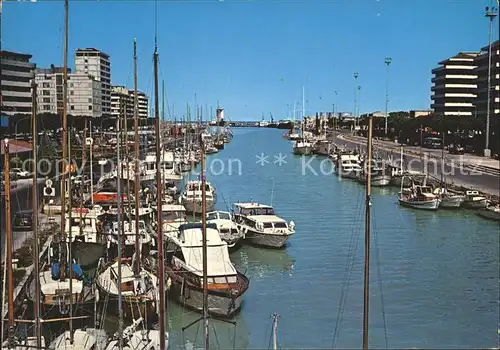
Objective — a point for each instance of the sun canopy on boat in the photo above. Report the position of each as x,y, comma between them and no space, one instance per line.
191,243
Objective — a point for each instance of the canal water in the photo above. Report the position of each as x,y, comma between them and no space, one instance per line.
434,276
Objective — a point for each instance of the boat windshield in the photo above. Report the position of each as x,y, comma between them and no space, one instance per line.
258,211
172,215
224,216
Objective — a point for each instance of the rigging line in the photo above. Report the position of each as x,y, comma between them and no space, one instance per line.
379,277
350,260
215,334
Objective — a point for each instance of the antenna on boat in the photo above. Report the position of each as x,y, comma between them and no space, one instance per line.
119,239
368,204
204,247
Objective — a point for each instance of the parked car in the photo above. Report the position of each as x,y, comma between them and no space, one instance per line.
456,149
20,173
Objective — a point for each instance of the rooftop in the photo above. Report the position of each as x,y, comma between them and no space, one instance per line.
12,53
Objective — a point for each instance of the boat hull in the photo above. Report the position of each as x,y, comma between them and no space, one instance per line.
266,239
423,205
302,151
489,214
451,202
377,181
195,206
220,303
474,204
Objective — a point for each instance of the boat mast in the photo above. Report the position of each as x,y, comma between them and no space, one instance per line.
120,233
8,239
137,180
204,244
442,160
34,198
367,235
159,185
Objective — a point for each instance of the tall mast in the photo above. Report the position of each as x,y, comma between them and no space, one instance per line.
137,180
368,204
159,185
34,198
70,237
64,122
204,245
8,239
120,232
303,103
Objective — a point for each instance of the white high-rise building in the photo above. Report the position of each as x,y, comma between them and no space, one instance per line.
17,73
96,63
454,89
84,93
122,101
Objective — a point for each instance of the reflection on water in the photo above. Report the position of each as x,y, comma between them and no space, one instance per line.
261,262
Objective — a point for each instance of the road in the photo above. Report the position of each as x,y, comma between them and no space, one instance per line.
485,180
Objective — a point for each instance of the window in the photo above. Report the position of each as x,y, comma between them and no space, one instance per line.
46,93
46,85
46,107
90,99
46,100
72,108
71,92
90,108
70,84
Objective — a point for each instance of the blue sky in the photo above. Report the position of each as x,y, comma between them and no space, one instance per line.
255,56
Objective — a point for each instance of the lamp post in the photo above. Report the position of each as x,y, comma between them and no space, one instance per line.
355,97
491,13
387,61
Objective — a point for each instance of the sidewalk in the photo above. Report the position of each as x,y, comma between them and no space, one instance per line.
469,160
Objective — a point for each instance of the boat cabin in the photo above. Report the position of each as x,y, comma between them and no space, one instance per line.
188,257
260,217
223,221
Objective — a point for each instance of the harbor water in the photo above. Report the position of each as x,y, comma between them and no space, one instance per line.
434,275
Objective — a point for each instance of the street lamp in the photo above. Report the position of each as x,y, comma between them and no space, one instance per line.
355,96
387,63
491,13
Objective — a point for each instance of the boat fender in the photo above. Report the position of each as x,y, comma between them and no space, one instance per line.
292,225
96,295
56,271
169,283
77,270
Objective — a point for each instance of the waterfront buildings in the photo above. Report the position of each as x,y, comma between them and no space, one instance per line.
96,63
84,93
481,63
16,75
454,89
122,102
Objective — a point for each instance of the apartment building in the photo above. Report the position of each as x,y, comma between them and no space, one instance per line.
481,62
122,101
84,93
17,73
454,89
93,62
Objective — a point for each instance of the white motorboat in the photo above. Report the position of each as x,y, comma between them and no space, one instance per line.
261,225
169,171
349,166
491,212
228,230
302,147
379,177
420,197
226,285
473,199
191,197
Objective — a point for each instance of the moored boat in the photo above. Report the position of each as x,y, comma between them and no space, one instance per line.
420,197
261,225
473,199
228,230
226,285
191,197
490,212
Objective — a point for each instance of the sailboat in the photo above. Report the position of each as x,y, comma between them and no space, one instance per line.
303,146
123,279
